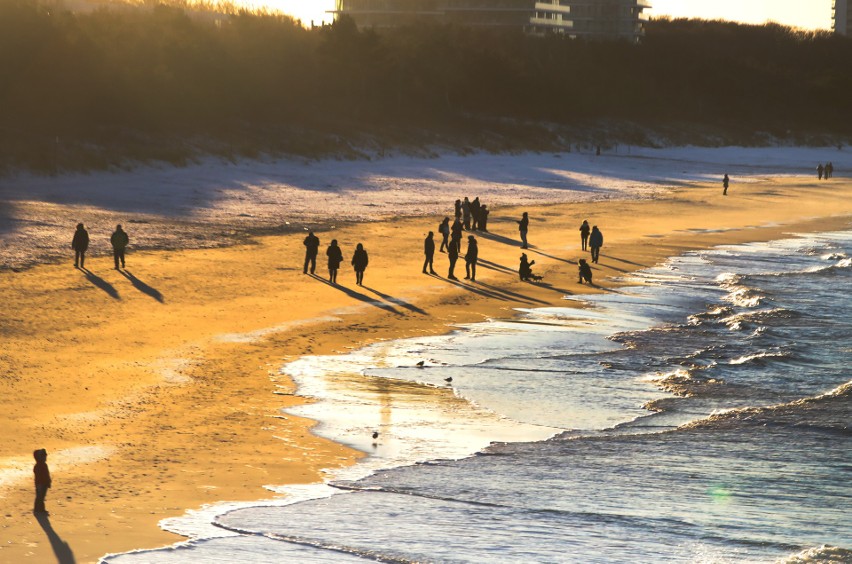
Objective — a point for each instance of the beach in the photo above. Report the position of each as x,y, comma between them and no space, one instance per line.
157,389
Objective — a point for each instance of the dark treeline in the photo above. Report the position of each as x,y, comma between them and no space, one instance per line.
153,81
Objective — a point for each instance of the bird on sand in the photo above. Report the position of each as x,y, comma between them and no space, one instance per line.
375,434
421,364
448,379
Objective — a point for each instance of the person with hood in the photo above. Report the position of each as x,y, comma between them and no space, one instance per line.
429,251
42,479
444,230
584,234
595,243
585,271
453,255
119,240
456,237
523,226
470,258
312,244
80,243
335,257
359,263
525,268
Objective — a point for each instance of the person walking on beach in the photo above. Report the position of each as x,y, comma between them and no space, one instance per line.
359,263
829,170
725,182
453,255
523,226
585,271
444,230
429,251
42,480
584,234
483,218
312,244
525,268
595,243
335,257
475,207
466,213
819,171
456,237
470,258
80,243
119,240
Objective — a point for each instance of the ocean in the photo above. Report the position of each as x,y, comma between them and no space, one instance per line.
699,414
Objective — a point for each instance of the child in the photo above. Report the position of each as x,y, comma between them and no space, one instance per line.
585,272
42,479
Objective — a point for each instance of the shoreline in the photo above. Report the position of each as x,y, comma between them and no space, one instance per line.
189,396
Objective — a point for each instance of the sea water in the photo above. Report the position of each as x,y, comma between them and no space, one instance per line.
700,414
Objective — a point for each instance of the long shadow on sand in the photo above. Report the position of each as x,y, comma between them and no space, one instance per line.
494,266
142,287
358,295
624,260
61,549
498,238
512,295
101,283
396,301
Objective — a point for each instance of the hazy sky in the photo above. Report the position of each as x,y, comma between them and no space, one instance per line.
809,14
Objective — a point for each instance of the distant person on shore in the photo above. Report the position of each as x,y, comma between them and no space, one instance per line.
429,251
444,230
584,234
80,243
725,182
466,213
523,226
595,243
483,218
42,480
475,208
119,241
359,263
525,268
453,255
312,244
335,257
819,171
470,258
585,271
458,209
456,235
829,170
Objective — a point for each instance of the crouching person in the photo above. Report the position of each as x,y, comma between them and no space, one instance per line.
585,272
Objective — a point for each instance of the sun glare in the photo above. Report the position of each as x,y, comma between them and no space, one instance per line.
305,10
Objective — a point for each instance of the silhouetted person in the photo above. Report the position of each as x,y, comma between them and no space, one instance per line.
42,479
466,213
819,171
119,240
584,234
829,170
525,268
456,235
585,271
80,243
359,263
470,258
429,251
725,182
335,257
312,244
523,226
483,217
595,243
458,209
444,230
453,255
475,207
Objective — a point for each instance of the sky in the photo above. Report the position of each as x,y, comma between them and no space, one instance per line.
807,14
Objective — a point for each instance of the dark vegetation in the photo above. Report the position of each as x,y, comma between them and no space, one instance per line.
163,82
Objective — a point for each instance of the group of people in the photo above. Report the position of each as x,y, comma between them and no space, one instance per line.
825,172
473,215
360,258
453,249
80,243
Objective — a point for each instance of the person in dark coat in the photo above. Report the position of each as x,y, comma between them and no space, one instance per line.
42,479
444,230
470,258
80,243
584,234
429,251
359,263
456,237
312,244
585,271
525,268
595,243
483,217
725,182
335,257
466,213
119,240
829,170
475,208
458,209
453,255
523,226
819,171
